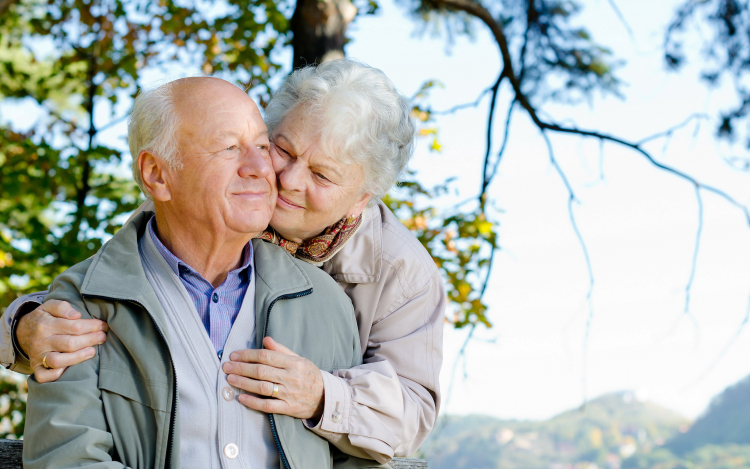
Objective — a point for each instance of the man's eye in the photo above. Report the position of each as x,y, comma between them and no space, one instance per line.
233,147
262,147
320,176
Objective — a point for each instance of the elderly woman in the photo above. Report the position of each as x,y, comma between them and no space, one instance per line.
341,135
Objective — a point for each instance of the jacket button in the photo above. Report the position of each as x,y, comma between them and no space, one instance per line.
336,417
228,394
231,451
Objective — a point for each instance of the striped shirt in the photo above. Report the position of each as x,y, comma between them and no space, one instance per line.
217,307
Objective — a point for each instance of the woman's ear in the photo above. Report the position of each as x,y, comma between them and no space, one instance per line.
359,206
153,173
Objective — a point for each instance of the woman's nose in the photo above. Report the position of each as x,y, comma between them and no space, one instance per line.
291,176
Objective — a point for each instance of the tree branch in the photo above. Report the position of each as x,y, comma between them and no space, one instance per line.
504,144
622,18
495,89
571,215
671,130
477,10
698,234
458,107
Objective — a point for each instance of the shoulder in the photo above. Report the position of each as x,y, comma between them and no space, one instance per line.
71,279
278,269
402,252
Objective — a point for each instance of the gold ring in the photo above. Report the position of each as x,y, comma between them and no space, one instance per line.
44,361
275,390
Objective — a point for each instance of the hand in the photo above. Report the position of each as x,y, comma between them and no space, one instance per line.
55,330
300,381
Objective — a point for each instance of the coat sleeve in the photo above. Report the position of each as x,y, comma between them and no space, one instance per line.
65,421
387,406
10,356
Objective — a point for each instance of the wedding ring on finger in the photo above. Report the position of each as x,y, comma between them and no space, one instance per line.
44,362
275,392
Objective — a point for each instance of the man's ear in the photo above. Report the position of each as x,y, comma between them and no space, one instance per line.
153,173
359,206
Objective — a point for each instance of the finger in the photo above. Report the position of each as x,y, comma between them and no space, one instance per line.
74,343
64,360
271,344
266,357
76,327
261,388
60,309
269,406
254,371
44,375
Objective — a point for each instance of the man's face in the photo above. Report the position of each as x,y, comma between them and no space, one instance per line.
226,183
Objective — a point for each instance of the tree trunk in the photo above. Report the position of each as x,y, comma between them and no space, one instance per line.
5,5
319,28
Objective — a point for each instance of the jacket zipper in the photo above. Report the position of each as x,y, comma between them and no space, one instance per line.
265,333
170,439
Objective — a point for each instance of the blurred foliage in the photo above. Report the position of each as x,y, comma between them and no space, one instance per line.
13,393
724,27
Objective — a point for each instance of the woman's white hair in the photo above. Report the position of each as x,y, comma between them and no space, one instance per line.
153,126
358,115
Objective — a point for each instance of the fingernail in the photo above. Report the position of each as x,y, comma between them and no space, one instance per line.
105,327
234,356
90,353
227,367
232,379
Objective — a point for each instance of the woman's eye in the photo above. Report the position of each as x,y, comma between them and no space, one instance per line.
233,147
320,176
262,147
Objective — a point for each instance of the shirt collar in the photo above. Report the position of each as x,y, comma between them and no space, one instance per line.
174,262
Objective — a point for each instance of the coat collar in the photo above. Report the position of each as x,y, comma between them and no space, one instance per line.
116,270
360,259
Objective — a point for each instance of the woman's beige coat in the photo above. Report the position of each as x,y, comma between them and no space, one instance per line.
387,406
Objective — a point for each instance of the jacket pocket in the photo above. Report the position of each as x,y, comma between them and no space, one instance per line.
152,394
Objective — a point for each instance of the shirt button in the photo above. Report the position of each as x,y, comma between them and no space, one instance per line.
215,298
228,393
336,417
231,451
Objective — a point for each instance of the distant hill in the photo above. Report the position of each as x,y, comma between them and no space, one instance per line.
604,432
727,421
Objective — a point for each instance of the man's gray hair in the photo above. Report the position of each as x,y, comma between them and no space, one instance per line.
153,126
358,115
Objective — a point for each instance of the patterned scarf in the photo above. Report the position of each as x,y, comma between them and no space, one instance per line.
320,248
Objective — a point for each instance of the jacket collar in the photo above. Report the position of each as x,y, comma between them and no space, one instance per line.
276,270
360,259
116,271
113,272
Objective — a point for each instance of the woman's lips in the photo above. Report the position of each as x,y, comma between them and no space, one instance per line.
286,203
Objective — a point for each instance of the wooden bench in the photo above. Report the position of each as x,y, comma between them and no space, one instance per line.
10,457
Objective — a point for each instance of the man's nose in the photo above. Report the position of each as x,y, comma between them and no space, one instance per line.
255,165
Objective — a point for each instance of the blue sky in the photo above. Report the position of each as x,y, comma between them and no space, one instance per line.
639,223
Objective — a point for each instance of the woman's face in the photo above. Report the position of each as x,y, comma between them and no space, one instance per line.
315,190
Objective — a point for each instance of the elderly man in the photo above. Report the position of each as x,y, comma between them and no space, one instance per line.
181,291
